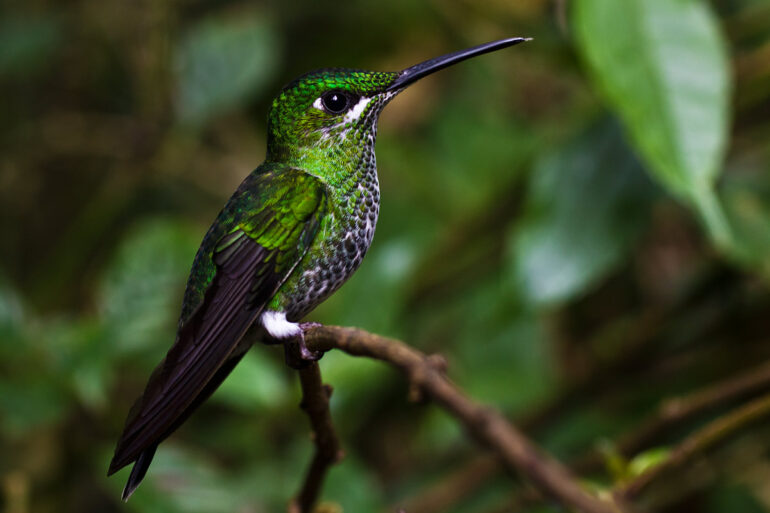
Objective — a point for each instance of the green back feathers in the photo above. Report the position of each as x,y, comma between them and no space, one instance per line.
279,208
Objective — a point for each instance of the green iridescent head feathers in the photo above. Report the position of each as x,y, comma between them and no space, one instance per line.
327,118
319,108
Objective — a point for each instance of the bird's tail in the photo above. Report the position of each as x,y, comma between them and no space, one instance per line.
145,457
138,471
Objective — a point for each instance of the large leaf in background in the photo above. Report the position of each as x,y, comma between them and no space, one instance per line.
77,352
221,62
662,66
587,204
141,292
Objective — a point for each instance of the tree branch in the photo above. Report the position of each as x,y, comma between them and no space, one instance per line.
680,409
705,438
485,424
675,411
315,402
671,412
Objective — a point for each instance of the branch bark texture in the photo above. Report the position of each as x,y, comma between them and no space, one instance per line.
699,442
485,424
315,402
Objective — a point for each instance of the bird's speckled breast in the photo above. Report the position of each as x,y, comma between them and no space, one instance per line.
340,244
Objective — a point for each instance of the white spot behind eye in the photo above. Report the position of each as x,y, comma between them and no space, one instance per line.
355,112
318,104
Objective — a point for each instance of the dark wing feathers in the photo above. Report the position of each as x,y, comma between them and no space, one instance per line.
252,261
202,345
145,458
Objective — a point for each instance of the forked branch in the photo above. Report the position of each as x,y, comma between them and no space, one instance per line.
485,424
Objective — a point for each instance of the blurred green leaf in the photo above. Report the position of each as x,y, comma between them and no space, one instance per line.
614,462
489,497
88,89
181,481
579,428
79,353
437,432
502,357
472,149
747,202
355,382
222,62
29,402
272,481
647,459
734,499
470,163
662,66
354,487
141,292
587,205
255,384
27,43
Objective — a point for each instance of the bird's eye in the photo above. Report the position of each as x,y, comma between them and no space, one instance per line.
335,102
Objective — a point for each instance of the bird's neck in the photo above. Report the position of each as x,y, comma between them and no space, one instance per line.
342,163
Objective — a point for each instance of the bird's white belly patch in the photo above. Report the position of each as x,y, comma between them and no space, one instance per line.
277,326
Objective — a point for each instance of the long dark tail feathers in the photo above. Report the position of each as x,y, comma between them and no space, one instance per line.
120,459
138,471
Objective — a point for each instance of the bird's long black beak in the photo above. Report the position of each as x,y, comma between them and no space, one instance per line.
416,72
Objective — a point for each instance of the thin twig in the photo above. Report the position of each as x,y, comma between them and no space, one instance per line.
315,402
672,412
675,411
705,438
636,333
680,409
486,424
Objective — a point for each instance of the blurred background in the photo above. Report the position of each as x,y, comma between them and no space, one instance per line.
580,224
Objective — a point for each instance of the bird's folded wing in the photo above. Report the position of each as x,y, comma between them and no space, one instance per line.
252,261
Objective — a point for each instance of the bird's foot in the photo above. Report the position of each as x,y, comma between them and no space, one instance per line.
306,353
296,352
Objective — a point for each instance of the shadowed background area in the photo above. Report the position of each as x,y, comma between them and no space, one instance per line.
579,224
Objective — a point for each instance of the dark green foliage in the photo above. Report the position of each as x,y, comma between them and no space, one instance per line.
580,225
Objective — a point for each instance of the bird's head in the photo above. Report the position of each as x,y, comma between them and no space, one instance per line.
335,111
327,109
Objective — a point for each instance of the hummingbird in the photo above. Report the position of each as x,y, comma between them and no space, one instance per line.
295,229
